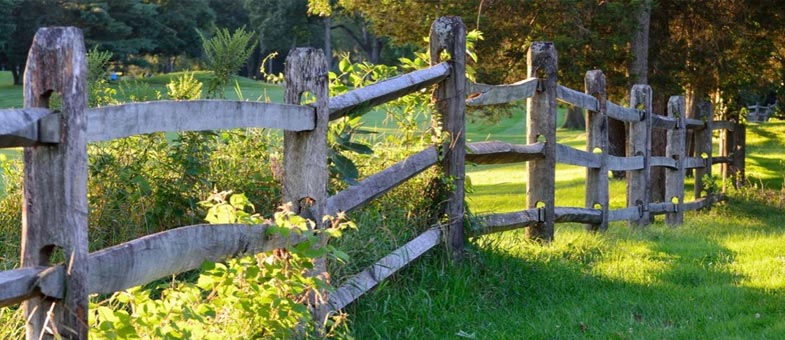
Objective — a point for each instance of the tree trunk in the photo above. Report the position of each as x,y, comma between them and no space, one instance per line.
574,119
658,144
328,48
639,68
16,72
639,74
617,143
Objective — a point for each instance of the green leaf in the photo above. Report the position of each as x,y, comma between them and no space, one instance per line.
345,167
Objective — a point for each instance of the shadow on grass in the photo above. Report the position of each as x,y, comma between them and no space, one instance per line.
657,283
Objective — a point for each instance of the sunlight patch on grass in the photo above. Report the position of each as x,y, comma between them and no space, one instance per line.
761,261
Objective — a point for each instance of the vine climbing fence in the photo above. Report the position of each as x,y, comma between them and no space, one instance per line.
55,297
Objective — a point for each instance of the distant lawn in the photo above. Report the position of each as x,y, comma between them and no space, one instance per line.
11,96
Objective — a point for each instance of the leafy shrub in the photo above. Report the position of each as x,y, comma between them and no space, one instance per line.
261,297
224,54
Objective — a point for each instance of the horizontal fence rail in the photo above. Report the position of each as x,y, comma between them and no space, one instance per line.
145,259
500,94
118,121
386,90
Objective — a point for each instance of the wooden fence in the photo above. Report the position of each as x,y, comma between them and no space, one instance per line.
55,211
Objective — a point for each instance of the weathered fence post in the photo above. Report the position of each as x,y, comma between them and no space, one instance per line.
639,144
674,178
541,126
449,34
735,147
54,215
597,139
305,152
703,146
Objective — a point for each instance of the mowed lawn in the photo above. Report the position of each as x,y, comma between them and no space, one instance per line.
721,275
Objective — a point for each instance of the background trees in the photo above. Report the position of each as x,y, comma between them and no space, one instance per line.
730,52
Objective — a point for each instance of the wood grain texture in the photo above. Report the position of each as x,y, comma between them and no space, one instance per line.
118,121
306,174
305,152
676,149
18,285
660,208
54,215
379,183
569,155
167,253
364,281
663,122
694,163
694,123
20,127
501,94
665,162
494,223
697,204
626,214
541,123
625,163
597,193
639,145
449,34
579,99
386,90
496,152
623,114
578,215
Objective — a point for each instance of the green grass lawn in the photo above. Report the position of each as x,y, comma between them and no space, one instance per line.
721,275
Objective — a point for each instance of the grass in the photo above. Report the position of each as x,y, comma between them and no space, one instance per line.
721,275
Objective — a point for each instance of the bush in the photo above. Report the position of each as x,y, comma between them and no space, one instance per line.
261,297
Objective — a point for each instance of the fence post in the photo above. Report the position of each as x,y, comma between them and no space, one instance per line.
639,144
541,127
449,34
703,146
305,153
597,138
674,178
738,153
54,215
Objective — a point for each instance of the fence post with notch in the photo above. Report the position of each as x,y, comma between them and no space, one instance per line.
54,215
449,34
541,127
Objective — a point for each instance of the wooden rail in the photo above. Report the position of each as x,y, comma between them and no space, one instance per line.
118,121
145,259
386,90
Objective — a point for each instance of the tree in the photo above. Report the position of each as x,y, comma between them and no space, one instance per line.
282,25
181,25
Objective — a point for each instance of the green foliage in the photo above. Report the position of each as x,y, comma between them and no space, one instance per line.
224,53
184,87
264,296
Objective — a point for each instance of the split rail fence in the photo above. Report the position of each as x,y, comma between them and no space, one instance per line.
55,297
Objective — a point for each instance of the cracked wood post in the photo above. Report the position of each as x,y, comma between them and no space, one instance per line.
639,144
449,34
703,146
541,123
676,149
597,138
305,152
54,214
